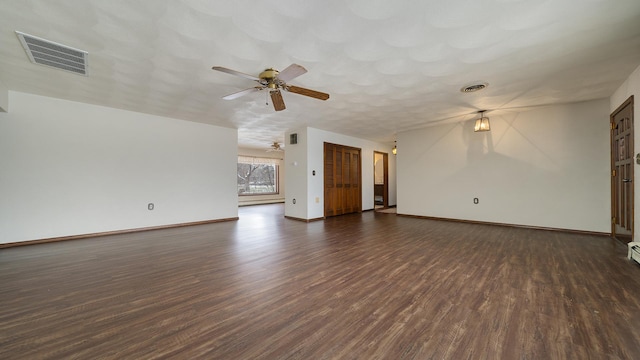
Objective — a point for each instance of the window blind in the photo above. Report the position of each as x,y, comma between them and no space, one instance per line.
257,160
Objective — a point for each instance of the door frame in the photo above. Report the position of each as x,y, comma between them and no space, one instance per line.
614,195
385,166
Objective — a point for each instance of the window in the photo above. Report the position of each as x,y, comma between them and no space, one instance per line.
257,176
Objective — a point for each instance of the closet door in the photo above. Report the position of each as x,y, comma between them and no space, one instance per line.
342,180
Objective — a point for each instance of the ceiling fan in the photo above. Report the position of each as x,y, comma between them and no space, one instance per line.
275,147
275,81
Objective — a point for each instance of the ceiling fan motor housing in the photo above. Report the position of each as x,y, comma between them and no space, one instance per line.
269,74
269,78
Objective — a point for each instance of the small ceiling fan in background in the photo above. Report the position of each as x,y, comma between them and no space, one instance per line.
275,147
275,81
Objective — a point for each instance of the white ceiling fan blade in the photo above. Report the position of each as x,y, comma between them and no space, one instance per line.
236,73
242,93
291,72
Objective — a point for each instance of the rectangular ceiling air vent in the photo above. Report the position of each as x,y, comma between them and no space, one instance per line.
49,53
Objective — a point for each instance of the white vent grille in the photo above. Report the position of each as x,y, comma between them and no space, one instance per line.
474,87
48,53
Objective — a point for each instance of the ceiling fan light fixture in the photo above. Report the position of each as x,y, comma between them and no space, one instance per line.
482,124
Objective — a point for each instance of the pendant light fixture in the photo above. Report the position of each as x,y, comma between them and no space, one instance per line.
394,151
482,124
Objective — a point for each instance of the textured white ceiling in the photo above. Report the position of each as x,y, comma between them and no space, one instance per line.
389,66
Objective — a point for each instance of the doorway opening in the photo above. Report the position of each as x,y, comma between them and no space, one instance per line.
380,180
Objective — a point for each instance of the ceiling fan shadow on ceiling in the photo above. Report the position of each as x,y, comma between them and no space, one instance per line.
274,81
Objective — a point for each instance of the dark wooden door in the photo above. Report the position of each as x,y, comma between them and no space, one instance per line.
622,171
342,180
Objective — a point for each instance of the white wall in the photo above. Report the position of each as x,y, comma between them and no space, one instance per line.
312,141
69,168
4,97
631,87
265,199
547,167
296,165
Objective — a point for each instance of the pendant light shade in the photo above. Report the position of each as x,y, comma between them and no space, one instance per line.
482,124
395,150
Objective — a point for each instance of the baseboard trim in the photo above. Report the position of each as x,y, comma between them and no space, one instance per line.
116,232
304,220
266,202
582,232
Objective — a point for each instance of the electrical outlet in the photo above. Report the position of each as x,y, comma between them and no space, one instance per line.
150,206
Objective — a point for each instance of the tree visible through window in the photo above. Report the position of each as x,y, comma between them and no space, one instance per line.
257,176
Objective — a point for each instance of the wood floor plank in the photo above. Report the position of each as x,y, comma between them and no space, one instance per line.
360,286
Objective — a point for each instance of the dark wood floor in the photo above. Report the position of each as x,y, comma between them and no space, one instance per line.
363,286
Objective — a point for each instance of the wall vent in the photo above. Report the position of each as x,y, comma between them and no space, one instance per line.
48,53
474,87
